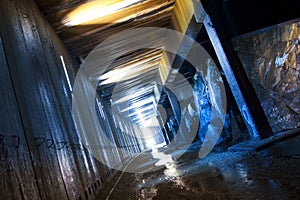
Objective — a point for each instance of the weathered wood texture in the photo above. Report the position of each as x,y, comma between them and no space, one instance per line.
220,28
34,93
41,154
81,39
15,160
181,19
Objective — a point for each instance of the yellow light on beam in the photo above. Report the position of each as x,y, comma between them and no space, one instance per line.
95,10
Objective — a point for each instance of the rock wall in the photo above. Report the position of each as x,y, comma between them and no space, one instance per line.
271,59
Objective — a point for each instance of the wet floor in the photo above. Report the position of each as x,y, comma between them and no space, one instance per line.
273,173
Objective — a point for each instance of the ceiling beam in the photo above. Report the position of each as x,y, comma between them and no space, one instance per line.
182,20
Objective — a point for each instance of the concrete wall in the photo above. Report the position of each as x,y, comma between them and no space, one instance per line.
271,58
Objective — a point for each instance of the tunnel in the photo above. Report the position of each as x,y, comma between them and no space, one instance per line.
149,99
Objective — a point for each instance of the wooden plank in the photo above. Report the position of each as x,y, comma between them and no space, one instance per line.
34,94
182,15
17,177
86,170
81,39
50,7
91,173
83,43
78,176
38,61
128,15
57,59
182,21
220,35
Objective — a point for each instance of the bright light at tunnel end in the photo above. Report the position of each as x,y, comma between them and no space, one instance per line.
83,102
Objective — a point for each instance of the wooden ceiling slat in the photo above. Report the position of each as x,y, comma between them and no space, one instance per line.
50,7
143,19
81,39
83,45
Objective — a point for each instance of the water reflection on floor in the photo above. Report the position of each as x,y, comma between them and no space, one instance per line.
221,175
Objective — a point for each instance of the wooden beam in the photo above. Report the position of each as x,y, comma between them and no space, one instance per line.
220,35
14,156
182,21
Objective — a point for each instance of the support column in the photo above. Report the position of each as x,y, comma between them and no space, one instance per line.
220,35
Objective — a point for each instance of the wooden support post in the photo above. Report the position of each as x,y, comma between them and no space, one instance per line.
220,35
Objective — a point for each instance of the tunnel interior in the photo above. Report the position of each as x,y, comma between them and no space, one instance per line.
149,99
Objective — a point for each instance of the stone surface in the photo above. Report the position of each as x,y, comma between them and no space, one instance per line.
272,61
